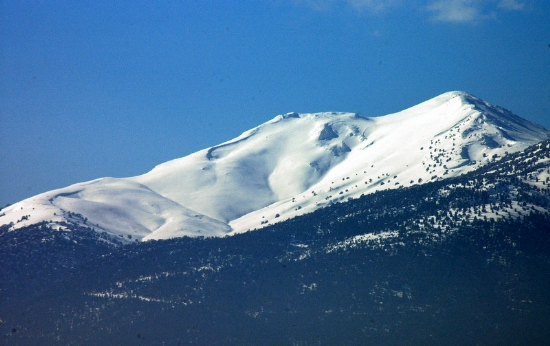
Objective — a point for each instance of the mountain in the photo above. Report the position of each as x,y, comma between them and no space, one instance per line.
458,261
289,166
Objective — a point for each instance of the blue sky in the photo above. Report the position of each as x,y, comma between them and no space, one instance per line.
91,89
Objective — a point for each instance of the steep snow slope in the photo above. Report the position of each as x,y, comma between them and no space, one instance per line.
288,166
446,136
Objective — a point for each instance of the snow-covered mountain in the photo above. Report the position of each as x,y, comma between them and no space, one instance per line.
290,165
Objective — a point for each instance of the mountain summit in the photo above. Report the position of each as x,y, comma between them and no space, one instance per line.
290,165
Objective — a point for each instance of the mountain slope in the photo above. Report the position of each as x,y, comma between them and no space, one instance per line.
291,165
462,260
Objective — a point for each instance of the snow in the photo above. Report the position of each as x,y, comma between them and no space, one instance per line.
374,240
290,165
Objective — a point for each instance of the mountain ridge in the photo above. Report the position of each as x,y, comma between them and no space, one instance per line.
452,261
288,166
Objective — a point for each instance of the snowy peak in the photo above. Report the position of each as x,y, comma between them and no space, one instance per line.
290,165
446,136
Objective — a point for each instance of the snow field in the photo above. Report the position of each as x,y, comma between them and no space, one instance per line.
288,166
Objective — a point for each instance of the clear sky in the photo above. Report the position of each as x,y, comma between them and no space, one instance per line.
109,88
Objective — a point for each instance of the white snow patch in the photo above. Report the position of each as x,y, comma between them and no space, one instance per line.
370,239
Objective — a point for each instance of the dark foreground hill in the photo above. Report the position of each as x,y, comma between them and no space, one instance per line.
462,261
